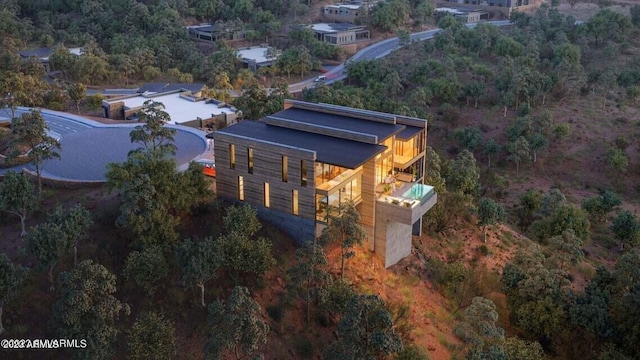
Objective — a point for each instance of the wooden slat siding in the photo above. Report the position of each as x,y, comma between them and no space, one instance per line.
367,208
343,111
267,159
322,130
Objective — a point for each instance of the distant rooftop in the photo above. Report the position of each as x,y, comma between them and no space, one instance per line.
456,11
180,107
348,6
166,87
44,53
334,27
257,54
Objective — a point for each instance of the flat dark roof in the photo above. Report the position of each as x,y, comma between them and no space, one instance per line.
381,130
164,87
41,52
341,152
408,132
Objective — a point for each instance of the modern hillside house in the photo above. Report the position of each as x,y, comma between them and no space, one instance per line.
296,163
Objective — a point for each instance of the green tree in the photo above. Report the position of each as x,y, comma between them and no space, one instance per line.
152,337
11,277
565,249
19,89
235,325
17,197
490,148
244,254
77,93
147,269
154,136
469,138
48,243
474,90
607,24
31,130
404,37
489,213
537,142
617,160
464,175
199,261
389,15
95,101
343,226
626,229
534,298
242,220
599,206
365,331
144,213
62,60
74,224
85,308
519,349
308,277
528,204
519,150
564,218
154,193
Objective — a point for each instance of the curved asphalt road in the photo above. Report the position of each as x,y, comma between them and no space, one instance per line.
88,146
377,51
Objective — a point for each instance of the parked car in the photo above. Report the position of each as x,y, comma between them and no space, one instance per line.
208,167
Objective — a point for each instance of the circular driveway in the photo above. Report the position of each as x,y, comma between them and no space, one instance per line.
85,154
88,146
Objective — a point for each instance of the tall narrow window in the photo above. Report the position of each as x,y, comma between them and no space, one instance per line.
250,160
294,202
285,168
232,156
240,188
303,173
266,195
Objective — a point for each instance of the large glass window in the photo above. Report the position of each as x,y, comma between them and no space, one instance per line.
232,156
250,160
327,172
350,190
294,202
384,168
285,168
321,207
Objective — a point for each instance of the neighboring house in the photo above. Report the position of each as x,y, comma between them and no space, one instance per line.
255,57
295,163
350,11
466,16
499,3
185,104
43,54
218,31
339,33
495,8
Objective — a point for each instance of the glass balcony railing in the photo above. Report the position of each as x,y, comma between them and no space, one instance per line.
409,195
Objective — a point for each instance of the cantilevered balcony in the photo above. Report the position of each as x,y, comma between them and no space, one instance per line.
407,203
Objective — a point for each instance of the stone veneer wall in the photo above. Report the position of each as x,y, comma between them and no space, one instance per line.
392,241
